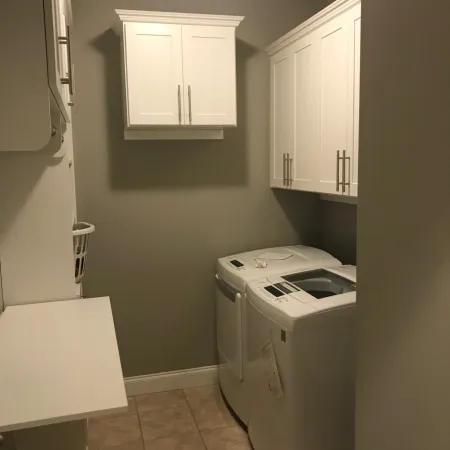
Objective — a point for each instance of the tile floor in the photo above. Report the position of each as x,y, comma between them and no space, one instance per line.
189,419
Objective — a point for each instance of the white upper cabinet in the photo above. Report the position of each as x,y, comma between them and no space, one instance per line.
325,52
179,73
306,113
209,72
154,74
58,26
37,74
281,118
354,64
333,120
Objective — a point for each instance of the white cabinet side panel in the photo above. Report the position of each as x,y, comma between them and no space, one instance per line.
37,247
355,64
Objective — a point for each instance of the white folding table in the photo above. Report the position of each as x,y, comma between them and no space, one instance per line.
59,365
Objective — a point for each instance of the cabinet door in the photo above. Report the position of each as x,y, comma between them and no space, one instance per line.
306,99
153,74
354,62
333,119
65,49
56,39
209,69
281,128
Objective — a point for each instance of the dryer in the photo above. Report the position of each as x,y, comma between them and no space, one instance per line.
233,274
301,360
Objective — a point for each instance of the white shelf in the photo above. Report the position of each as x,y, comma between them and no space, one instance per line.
59,362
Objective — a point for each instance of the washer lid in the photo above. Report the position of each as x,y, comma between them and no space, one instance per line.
324,289
319,283
238,270
287,298
347,271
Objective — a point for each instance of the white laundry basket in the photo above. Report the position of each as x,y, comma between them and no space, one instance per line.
81,232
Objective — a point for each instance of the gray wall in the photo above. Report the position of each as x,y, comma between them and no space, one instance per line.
403,390
165,211
337,225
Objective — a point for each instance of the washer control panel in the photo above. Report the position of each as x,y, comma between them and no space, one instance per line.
236,264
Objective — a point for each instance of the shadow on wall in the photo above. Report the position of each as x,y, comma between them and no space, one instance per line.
338,224
137,164
19,174
301,209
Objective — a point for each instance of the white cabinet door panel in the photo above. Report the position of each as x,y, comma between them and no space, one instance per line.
282,115
306,90
209,75
55,28
153,74
333,102
354,63
315,107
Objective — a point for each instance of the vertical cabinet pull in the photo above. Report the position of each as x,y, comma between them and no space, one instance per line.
338,173
286,170
65,40
179,104
190,104
291,178
344,172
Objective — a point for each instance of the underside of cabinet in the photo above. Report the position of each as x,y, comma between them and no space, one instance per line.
160,134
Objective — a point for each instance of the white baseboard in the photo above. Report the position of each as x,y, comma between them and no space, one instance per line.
169,381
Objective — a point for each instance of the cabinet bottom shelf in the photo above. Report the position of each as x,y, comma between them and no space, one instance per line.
173,134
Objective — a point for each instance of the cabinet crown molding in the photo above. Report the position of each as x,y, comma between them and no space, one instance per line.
333,10
126,15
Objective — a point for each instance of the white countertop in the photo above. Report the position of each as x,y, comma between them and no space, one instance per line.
59,361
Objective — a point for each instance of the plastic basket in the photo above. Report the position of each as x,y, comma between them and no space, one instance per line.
81,232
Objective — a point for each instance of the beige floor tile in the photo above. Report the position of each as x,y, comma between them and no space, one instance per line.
139,446
169,422
118,430
191,441
160,400
131,410
208,407
232,438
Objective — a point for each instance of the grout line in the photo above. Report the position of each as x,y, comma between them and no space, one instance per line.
139,422
195,420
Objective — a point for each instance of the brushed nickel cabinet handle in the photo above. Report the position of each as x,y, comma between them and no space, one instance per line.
284,169
291,178
344,172
179,104
190,104
338,159
287,169
65,40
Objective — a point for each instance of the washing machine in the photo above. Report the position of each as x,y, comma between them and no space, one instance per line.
233,273
301,360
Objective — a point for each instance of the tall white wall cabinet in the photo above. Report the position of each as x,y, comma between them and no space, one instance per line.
179,74
37,74
37,188
315,103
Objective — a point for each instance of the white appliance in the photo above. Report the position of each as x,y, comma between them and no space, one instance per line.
233,273
300,373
